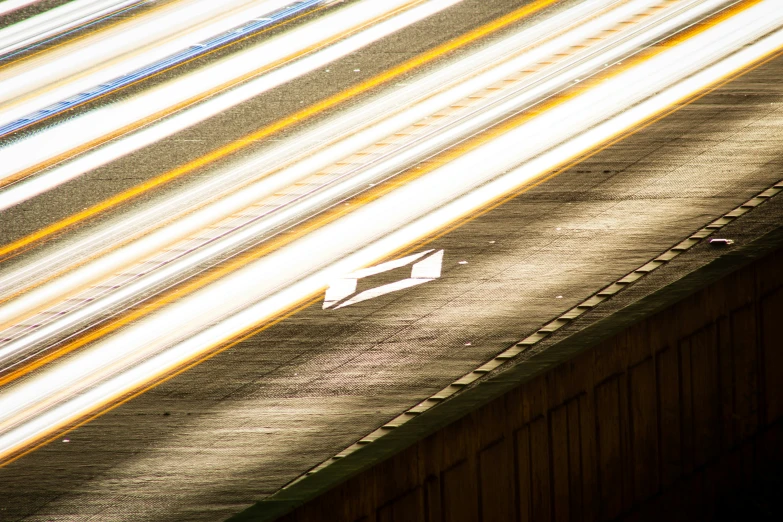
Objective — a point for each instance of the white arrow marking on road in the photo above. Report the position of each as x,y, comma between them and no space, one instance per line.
423,271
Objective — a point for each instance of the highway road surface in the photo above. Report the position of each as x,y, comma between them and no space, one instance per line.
236,238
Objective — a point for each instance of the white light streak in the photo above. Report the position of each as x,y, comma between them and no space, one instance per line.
77,67
92,126
52,21
307,153
268,185
184,330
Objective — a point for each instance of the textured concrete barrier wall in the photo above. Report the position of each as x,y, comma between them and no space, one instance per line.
660,420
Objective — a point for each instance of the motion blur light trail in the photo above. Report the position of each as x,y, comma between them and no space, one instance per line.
264,15
462,108
291,174
199,95
459,174
12,5
55,22
123,146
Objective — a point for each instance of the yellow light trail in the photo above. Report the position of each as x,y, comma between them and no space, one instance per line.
90,140
747,22
406,126
123,62
304,114
440,160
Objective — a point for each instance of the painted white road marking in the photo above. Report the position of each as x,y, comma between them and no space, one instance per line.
422,271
